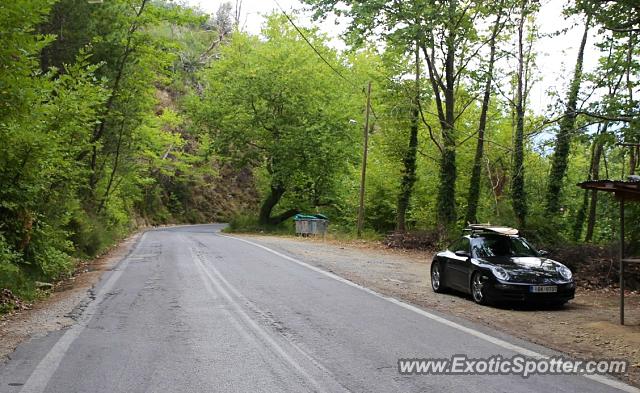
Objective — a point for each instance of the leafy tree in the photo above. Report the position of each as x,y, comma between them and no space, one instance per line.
525,57
621,16
82,136
275,105
474,184
565,132
45,120
410,157
447,37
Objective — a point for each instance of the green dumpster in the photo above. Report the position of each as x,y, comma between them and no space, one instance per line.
311,224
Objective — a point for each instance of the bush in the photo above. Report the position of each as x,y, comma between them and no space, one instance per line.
244,222
14,282
544,232
92,235
10,274
420,240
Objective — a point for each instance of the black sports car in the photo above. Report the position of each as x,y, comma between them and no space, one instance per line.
495,264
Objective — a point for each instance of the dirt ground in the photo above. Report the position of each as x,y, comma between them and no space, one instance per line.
587,327
56,311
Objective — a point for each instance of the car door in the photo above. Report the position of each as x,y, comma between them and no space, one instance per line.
458,266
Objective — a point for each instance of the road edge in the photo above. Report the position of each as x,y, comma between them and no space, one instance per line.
61,309
606,380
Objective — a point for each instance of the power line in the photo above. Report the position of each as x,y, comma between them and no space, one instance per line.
313,47
336,71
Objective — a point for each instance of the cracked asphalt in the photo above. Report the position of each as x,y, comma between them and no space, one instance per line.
190,310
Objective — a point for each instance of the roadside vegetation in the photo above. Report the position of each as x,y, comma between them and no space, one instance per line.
93,138
125,113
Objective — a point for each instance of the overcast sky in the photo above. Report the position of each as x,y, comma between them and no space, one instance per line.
556,56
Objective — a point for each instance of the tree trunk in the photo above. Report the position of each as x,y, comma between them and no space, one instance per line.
265,218
596,149
563,138
446,207
100,128
580,216
474,184
448,172
283,216
593,204
114,169
409,173
518,194
277,191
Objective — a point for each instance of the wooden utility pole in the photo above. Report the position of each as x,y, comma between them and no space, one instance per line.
622,251
364,162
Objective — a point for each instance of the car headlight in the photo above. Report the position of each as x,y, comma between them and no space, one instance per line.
500,273
564,272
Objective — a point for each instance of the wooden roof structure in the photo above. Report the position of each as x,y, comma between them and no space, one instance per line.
623,191
628,190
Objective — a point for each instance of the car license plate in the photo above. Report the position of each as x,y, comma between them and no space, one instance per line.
543,289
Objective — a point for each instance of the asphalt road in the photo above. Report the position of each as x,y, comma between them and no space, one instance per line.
190,310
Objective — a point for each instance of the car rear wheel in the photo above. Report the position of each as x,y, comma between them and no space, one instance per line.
436,277
477,289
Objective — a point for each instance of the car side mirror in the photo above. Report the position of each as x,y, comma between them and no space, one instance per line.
543,253
462,254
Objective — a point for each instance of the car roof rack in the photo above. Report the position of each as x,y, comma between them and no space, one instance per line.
484,228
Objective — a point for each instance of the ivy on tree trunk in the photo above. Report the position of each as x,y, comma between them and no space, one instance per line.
518,193
409,161
565,133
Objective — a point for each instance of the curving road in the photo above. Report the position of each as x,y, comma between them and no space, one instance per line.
190,310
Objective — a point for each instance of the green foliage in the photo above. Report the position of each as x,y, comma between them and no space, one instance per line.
243,223
43,125
83,136
131,112
271,104
621,15
249,223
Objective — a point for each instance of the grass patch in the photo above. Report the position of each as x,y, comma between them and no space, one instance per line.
247,223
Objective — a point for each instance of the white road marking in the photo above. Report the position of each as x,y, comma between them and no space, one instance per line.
494,340
41,375
219,282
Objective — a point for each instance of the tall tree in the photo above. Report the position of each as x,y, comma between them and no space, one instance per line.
45,118
448,41
594,174
444,93
409,161
275,105
524,59
474,184
566,131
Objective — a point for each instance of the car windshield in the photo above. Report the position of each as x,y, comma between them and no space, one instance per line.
487,246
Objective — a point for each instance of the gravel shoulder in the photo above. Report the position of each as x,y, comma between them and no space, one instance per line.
587,327
57,311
